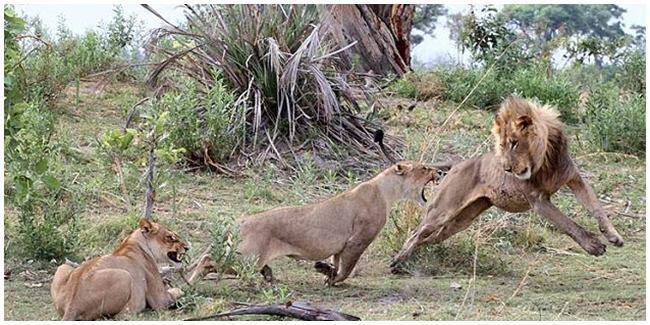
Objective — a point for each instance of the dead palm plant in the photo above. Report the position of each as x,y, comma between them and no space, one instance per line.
294,86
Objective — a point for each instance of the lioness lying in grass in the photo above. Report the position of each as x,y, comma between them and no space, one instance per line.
342,226
122,283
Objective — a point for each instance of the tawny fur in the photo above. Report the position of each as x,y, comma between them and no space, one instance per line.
529,163
122,283
341,227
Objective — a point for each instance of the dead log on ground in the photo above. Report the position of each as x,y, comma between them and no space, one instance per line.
298,310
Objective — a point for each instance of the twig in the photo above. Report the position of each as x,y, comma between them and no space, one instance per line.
120,175
561,311
150,191
521,284
633,216
473,279
132,113
208,161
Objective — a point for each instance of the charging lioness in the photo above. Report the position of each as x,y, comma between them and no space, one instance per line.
529,163
122,283
342,226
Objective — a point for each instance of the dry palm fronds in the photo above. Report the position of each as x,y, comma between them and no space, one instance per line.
290,79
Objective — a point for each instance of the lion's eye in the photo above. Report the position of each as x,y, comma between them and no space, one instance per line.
171,238
513,144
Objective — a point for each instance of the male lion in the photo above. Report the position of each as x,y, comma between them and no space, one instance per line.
530,162
342,226
122,283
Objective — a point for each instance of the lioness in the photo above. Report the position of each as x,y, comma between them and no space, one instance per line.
529,163
122,283
342,226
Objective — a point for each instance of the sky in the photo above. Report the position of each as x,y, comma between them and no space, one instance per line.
437,48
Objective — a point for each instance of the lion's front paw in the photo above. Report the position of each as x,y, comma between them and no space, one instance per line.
614,238
175,293
594,246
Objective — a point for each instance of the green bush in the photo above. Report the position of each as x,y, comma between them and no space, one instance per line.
196,123
458,82
284,67
630,75
615,124
420,86
557,91
40,187
403,87
54,62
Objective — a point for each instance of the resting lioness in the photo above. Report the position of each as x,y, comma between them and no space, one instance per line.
122,283
342,226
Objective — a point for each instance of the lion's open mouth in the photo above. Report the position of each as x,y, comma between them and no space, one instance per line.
175,256
427,189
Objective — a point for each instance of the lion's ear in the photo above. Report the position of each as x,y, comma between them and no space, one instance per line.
524,122
401,168
147,226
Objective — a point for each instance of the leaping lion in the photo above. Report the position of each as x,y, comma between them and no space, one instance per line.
529,163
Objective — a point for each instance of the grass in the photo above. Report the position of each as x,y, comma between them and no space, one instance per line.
525,269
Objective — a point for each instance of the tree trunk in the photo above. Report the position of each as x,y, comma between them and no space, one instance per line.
382,33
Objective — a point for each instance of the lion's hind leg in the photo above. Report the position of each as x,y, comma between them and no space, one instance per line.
106,293
58,288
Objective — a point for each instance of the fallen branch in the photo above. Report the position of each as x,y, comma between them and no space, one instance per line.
298,310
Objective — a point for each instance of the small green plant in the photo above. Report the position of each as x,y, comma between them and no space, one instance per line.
246,269
401,221
277,294
192,298
224,241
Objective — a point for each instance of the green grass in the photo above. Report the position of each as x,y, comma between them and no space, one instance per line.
526,270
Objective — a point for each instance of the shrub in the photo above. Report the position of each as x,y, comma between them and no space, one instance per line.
557,91
458,82
288,77
630,75
616,124
420,86
198,123
47,209
54,62
404,87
